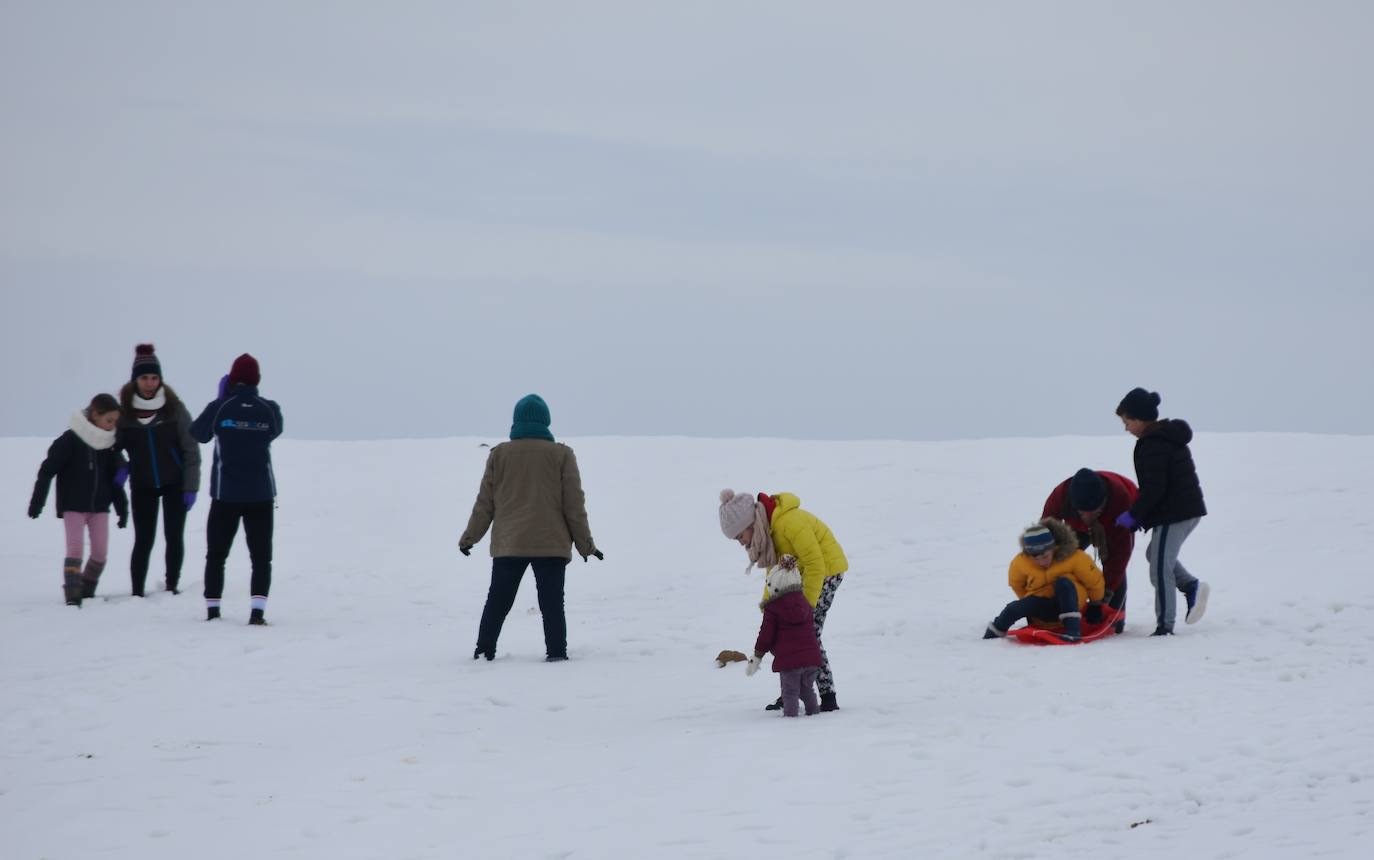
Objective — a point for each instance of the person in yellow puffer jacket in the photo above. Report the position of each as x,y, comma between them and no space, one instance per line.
1053,580
771,526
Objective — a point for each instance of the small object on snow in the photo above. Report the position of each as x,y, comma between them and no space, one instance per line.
752,666
1135,824
729,657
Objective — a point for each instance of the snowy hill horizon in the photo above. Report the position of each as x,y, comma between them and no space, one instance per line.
357,725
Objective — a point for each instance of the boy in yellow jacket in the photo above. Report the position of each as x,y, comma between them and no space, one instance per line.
1053,580
771,526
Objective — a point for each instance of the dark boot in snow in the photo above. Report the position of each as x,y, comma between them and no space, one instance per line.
555,658
211,613
1161,630
479,651
828,703
991,632
1073,627
775,706
91,577
71,581
255,618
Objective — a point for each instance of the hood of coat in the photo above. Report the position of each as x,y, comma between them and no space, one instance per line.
785,502
1172,430
781,581
1065,541
128,414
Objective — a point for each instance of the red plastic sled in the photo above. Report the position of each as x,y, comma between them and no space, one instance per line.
1031,635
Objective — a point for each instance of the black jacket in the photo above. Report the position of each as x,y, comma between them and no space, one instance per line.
161,453
85,478
243,426
1169,488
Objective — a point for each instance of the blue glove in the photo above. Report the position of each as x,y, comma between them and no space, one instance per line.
223,386
121,475
189,499
1126,521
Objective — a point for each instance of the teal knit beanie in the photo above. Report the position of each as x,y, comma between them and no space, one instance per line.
531,419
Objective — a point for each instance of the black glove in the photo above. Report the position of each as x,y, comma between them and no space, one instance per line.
465,549
122,521
1092,613
596,552
34,511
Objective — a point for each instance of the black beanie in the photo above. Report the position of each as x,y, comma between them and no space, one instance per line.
145,361
1139,404
1087,490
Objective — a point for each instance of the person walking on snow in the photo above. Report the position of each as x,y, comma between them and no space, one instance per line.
1169,505
1053,580
531,498
789,631
769,527
1089,503
154,431
84,461
242,485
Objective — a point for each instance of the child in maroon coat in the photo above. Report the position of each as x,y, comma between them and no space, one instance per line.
789,631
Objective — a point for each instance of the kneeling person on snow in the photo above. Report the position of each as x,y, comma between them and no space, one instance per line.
789,631
1053,579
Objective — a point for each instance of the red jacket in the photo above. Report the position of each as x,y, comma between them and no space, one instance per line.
1114,542
789,631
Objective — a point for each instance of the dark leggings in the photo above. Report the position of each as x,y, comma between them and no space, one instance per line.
220,529
1065,601
506,573
145,503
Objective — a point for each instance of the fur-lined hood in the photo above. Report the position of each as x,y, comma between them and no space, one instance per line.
1065,541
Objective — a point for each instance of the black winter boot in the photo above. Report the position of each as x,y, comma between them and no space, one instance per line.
1161,630
775,706
828,702
991,632
211,613
172,586
1073,627
255,618
479,651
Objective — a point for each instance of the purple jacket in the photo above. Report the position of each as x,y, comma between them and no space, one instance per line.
789,631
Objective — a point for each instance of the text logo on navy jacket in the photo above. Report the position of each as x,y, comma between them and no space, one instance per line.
243,426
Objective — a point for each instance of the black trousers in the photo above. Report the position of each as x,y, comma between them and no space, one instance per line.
220,530
1041,608
506,573
145,504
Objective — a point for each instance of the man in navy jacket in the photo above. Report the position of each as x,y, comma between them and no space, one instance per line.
242,486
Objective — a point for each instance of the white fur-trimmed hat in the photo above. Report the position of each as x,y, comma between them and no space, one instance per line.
736,512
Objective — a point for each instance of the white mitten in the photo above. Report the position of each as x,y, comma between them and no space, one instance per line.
753,665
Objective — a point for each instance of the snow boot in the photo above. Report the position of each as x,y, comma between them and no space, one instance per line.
90,577
211,613
255,618
1161,630
71,581
775,706
1196,596
555,658
828,702
1073,626
479,651
991,632
172,586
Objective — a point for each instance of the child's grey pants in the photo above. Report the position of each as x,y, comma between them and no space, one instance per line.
1167,573
799,683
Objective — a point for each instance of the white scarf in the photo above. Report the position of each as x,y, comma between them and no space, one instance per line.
158,401
91,434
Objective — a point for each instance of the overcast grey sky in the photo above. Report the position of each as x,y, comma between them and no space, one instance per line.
875,220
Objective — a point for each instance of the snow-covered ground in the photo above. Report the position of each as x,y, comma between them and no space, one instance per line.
358,726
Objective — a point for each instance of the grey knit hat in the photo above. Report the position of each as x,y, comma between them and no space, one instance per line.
736,512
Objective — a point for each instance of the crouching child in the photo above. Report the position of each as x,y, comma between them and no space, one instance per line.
789,631
1053,580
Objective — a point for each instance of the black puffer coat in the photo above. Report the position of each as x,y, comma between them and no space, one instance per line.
1169,488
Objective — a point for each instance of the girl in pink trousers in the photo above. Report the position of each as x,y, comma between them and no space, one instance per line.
84,462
